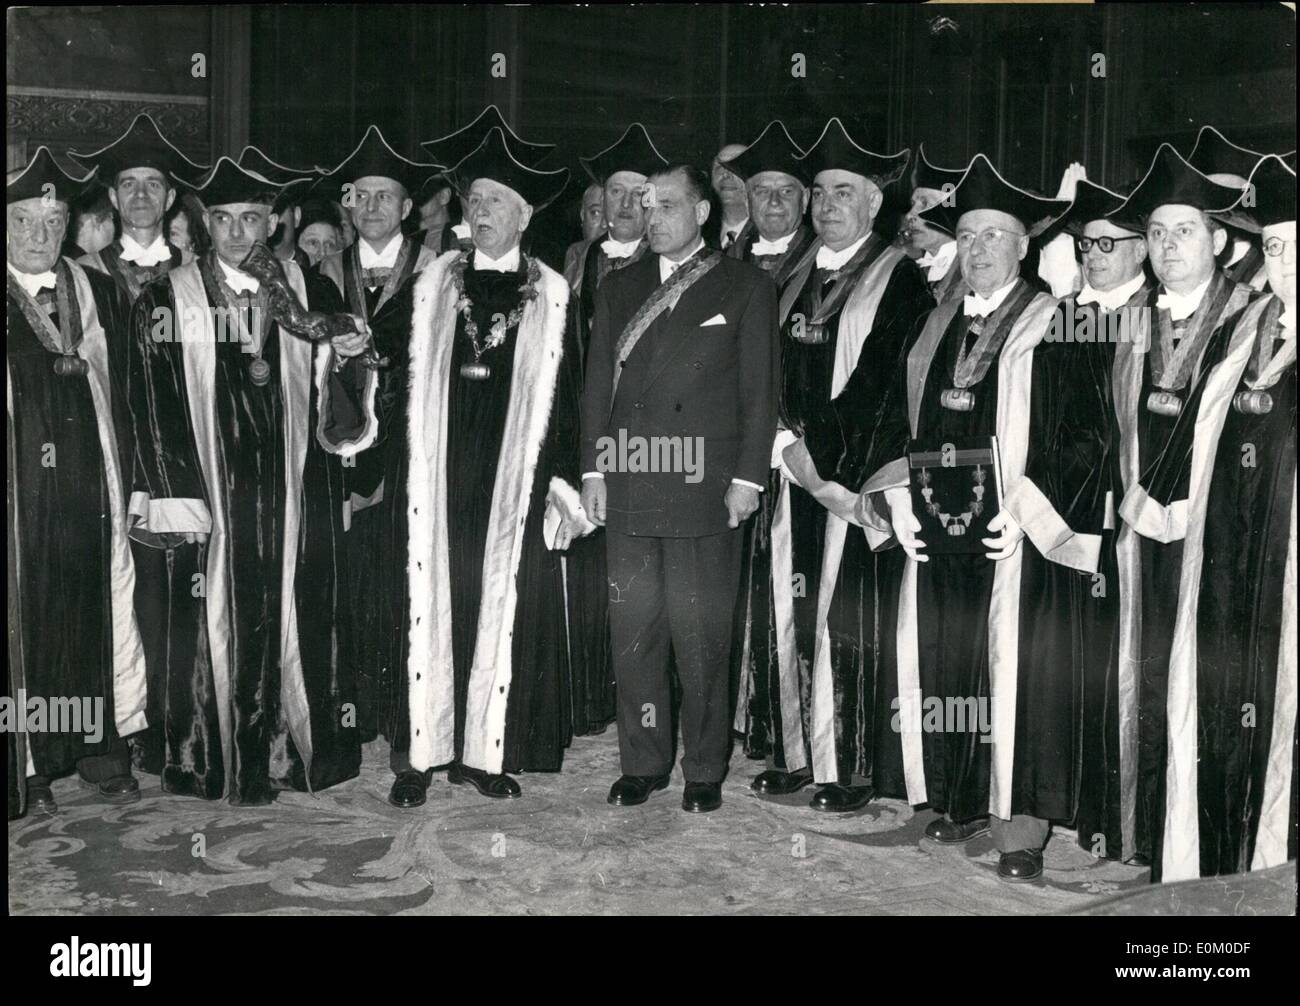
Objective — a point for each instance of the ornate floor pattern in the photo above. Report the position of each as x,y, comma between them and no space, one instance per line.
560,849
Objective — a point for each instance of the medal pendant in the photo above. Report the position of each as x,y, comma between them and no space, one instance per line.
1164,403
1253,403
812,335
958,399
475,371
259,371
71,366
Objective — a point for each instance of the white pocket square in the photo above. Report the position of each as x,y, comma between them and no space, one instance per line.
717,319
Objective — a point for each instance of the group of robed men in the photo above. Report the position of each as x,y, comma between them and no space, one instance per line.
261,550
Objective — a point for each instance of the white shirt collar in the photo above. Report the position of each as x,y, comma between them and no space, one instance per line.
1110,300
236,280
386,259
134,251
1286,322
827,259
461,230
762,246
938,263
1182,305
509,262
668,267
619,249
1240,246
725,230
33,282
975,306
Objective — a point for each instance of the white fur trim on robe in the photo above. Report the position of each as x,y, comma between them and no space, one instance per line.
295,384
540,344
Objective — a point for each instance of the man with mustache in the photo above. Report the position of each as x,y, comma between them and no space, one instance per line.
492,429
851,301
229,476
72,630
1193,311
620,170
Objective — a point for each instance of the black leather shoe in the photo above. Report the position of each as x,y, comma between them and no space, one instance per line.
40,800
774,782
119,789
1021,867
837,799
702,797
632,790
947,832
498,787
409,788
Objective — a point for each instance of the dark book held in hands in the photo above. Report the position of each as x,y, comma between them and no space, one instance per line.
956,490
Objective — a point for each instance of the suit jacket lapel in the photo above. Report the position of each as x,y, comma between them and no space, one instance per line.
671,332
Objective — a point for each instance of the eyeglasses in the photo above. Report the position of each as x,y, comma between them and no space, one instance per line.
1107,245
990,238
1274,247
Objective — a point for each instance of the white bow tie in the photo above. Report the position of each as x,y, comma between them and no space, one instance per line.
1107,300
827,259
238,281
619,249
937,266
762,246
509,262
461,231
133,251
34,282
975,306
1180,305
386,259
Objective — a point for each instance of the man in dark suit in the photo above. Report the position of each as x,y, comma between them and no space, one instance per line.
678,416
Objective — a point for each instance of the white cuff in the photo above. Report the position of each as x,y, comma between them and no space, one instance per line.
744,482
169,516
593,475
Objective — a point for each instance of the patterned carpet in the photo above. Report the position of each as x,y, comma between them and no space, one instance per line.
558,850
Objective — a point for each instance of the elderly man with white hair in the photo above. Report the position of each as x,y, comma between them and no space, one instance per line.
492,426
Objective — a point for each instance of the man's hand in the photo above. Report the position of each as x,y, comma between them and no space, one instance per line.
196,537
354,343
905,524
593,500
741,502
1006,543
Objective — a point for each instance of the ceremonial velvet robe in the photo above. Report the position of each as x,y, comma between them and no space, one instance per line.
151,573
255,692
961,634
1073,366
586,575
1149,553
1230,793
487,661
826,583
375,507
72,633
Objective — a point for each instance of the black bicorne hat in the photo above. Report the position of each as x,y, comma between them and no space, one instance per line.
1214,154
494,159
633,151
42,176
982,188
774,150
1092,202
373,157
226,183
836,150
456,146
141,146
929,176
1269,197
1172,180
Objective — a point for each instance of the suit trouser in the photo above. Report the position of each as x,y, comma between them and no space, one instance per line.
678,593
1021,832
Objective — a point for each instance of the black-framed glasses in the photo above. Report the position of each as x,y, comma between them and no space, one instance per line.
1107,245
1274,246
